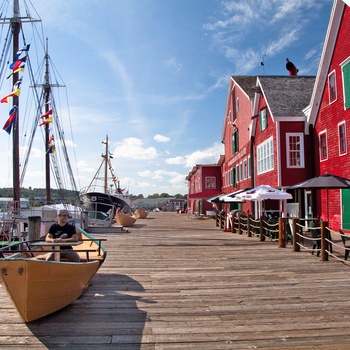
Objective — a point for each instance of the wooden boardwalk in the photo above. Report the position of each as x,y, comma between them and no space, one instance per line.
176,283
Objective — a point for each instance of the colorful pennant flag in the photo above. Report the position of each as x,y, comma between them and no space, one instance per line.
12,118
46,121
51,149
12,94
25,48
51,139
20,69
46,114
15,65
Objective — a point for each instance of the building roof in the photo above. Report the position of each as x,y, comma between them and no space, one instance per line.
247,83
287,96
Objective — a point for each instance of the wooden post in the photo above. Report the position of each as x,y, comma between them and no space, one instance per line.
262,237
239,225
282,232
324,242
248,226
34,224
217,218
296,238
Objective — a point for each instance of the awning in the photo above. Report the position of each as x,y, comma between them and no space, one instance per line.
216,199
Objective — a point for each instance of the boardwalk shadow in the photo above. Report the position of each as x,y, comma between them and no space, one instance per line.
106,315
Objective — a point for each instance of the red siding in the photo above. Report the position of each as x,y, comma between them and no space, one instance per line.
328,118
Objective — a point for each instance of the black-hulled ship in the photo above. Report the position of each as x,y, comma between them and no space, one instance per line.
105,197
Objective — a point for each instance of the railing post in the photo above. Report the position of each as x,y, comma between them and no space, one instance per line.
222,221
296,238
282,232
248,226
240,225
34,224
217,218
262,237
324,241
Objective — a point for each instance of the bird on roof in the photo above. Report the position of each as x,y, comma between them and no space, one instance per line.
291,68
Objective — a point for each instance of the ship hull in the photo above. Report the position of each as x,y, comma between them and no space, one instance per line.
99,201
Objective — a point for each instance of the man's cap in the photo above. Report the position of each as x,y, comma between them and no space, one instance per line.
63,212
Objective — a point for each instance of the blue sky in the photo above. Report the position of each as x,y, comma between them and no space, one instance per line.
153,75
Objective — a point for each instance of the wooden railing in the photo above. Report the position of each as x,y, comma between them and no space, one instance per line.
303,234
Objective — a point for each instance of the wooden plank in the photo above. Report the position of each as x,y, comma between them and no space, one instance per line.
175,283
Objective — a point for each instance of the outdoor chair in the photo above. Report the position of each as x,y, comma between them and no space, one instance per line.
316,243
346,241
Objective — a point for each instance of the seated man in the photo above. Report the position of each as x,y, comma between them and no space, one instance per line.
63,232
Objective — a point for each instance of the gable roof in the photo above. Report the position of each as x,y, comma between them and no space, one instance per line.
326,57
286,96
246,83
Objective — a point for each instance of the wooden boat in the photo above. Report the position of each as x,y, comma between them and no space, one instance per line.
125,220
38,287
141,213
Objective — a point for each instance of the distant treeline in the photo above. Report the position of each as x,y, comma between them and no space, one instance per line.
39,194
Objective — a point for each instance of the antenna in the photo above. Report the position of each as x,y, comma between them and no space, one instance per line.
262,64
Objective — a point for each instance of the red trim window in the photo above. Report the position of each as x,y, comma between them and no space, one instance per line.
332,87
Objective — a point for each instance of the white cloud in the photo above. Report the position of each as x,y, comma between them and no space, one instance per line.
241,20
161,138
173,63
133,148
176,160
209,155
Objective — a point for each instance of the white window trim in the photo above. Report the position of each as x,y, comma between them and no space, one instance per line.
302,160
342,64
319,140
335,87
345,136
249,170
268,162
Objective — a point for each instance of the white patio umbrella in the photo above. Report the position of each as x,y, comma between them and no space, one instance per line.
263,192
229,199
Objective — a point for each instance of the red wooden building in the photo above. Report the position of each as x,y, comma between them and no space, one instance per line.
237,167
204,182
329,117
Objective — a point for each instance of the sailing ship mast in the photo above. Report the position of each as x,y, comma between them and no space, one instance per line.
16,24
51,161
16,27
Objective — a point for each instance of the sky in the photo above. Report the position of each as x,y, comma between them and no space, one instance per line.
153,75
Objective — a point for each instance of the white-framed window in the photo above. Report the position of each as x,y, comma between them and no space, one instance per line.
237,104
323,146
210,182
265,156
237,173
263,119
235,141
332,87
295,150
249,170
346,82
241,171
245,169
342,138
